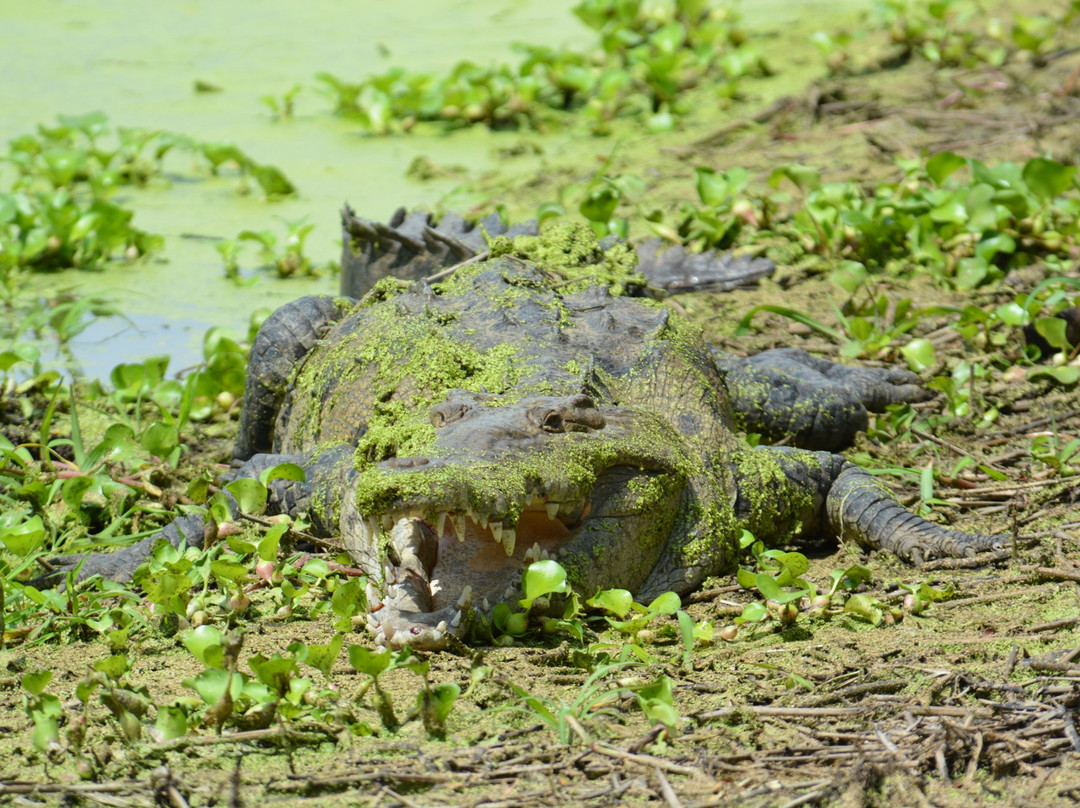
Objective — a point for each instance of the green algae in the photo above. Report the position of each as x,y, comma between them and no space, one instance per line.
575,257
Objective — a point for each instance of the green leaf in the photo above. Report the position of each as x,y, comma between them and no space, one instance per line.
23,538
370,662
441,698
205,643
46,731
268,544
212,683
171,722
323,657
771,589
849,276
283,471
951,210
971,272
746,578
993,243
225,569
665,603
238,545
274,672
160,439
1012,314
1047,178
752,613
543,578
712,187
272,181
549,210
20,352
942,164
349,598
863,606
686,630
220,508
658,702
114,666
1053,330
250,495
599,204
1066,376
616,601
920,354
35,682
794,566
807,178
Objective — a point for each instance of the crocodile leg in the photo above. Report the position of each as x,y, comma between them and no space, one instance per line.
287,335
284,339
850,503
315,496
817,404
781,491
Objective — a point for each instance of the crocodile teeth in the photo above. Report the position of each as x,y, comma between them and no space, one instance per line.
440,524
509,593
497,532
459,526
485,606
465,600
387,522
455,621
532,555
441,628
552,510
509,540
371,526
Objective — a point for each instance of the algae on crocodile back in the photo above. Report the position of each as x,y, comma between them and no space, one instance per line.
572,252
436,364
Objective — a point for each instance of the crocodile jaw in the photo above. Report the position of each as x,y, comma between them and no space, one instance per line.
439,570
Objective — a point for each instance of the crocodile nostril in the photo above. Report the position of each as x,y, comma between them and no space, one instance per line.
447,412
552,422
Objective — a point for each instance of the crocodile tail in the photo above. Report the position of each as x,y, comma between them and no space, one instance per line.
412,245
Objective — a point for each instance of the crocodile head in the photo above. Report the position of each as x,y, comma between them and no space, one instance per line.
503,485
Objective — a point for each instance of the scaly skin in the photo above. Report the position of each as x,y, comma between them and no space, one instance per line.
451,434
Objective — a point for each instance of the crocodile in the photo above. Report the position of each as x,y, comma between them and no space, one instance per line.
453,432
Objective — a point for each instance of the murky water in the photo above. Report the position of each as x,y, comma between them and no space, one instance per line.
139,66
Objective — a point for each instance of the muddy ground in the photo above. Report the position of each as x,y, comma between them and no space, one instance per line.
973,702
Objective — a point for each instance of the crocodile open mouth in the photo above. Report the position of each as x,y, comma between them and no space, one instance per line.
439,567
442,566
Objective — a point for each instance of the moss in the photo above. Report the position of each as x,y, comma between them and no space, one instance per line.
572,253
571,463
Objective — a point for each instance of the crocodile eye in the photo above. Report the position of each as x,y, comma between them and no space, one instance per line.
553,421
